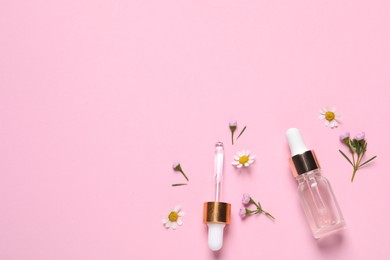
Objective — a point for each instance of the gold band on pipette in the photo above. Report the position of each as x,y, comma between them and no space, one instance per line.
216,212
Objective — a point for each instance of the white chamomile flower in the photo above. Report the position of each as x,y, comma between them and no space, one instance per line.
172,220
243,158
332,118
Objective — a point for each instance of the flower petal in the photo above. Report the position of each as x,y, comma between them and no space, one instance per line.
168,224
236,157
240,153
181,213
174,225
246,164
321,117
235,163
326,123
239,166
253,156
177,208
251,161
179,222
164,220
247,152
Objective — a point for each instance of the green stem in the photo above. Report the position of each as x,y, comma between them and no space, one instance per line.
252,211
359,160
259,210
185,176
353,159
353,174
251,201
354,166
357,165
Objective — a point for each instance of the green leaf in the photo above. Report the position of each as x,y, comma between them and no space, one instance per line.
242,131
346,157
367,161
178,184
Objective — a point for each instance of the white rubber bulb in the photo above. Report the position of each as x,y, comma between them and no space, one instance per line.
215,236
294,138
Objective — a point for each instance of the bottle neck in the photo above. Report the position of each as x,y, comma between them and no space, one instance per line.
301,178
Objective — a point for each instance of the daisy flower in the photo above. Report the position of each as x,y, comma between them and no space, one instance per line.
332,118
243,158
172,220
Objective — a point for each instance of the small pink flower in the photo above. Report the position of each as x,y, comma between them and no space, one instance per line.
246,198
359,136
233,127
242,212
233,123
344,136
177,167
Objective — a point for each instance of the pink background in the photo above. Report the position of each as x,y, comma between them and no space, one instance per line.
99,98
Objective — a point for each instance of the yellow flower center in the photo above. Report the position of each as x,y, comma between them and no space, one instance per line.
173,216
243,159
329,116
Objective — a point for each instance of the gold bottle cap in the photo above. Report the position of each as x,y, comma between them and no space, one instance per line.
305,162
216,212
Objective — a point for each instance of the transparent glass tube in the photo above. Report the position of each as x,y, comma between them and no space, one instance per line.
319,204
218,169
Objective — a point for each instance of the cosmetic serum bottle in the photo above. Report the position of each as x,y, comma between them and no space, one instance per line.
216,214
316,195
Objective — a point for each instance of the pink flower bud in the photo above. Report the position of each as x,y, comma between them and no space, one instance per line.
176,166
359,136
344,136
233,123
242,212
246,199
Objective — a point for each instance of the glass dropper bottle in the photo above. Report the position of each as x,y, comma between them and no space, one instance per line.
315,192
216,214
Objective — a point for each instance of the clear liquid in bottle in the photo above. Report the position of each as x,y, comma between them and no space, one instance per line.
317,198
